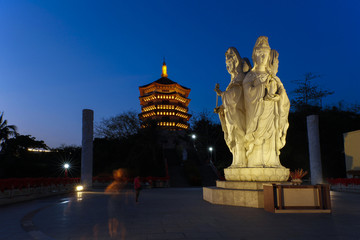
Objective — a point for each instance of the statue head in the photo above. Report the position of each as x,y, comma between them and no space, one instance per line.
261,52
274,61
233,61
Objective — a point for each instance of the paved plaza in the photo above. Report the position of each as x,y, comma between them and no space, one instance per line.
170,213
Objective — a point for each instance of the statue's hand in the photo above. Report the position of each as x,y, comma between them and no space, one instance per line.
257,82
273,97
218,109
217,89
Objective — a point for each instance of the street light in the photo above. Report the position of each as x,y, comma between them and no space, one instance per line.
211,150
66,166
193,136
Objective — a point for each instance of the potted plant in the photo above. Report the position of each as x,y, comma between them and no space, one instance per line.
297,175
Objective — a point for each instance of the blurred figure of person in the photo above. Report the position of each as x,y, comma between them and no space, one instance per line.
137,187
119,181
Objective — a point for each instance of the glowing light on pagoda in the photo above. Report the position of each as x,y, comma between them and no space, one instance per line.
164,70
165,102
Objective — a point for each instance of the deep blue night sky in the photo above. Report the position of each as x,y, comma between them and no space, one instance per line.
58,57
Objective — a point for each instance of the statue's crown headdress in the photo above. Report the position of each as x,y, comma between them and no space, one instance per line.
262,42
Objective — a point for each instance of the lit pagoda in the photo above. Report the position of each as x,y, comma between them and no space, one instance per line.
165,102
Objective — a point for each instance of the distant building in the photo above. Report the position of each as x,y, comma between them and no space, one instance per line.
165,103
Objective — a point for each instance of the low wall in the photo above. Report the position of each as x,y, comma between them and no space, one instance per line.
14,190
22,189
345,184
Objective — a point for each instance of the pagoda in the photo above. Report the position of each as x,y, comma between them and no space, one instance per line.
165,103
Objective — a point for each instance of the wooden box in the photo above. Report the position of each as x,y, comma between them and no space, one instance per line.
280,198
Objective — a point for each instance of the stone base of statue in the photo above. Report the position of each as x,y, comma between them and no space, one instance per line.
249,174
236,193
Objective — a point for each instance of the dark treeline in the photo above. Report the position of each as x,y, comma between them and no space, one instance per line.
140,150
333,123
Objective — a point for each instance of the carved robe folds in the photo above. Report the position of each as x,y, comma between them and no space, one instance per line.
254,116
232,120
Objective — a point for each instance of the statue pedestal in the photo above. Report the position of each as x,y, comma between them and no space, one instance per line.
236,193
257,174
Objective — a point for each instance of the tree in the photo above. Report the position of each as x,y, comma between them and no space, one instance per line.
21,143
17,161
307,93
346,107
6,131
121,143
121,126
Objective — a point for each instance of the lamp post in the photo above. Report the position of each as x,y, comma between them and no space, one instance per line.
66,166
211,150
216,171
193,137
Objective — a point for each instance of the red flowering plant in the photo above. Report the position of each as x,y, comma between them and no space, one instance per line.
298,174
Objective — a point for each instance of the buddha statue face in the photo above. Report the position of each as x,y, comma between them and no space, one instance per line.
232,59
230,63
261,56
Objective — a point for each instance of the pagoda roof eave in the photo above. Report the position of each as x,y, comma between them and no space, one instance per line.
164,81
163,93
165,110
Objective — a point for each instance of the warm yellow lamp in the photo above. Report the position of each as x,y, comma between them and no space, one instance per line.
164,70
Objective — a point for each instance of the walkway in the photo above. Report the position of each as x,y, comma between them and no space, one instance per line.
172,213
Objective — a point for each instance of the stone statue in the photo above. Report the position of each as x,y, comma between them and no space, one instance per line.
232,112
254,115
262,93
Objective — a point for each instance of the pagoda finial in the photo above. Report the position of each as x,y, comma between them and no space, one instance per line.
164,69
